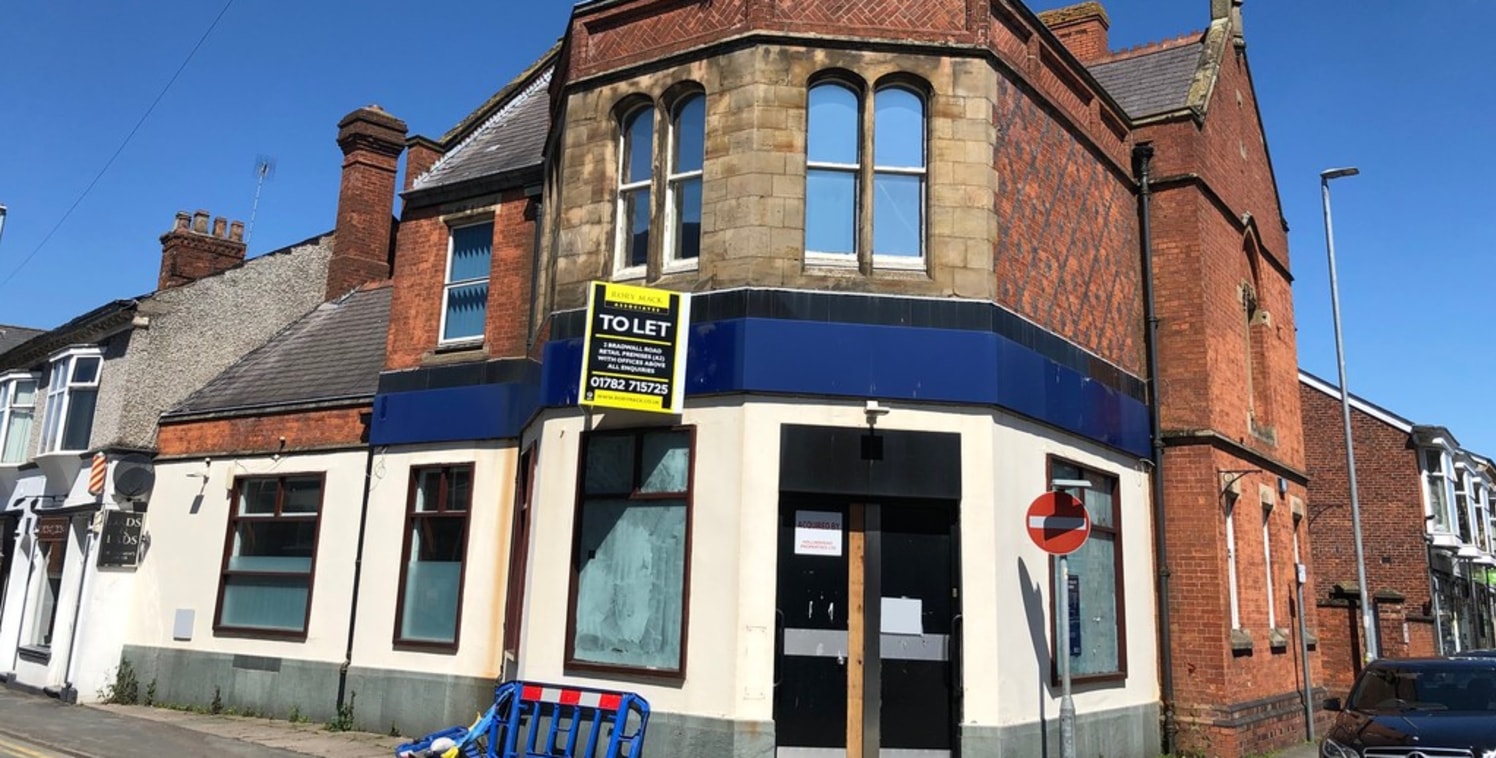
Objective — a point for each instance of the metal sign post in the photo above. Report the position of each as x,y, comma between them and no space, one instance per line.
1059,524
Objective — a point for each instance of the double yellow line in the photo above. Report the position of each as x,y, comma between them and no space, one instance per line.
17,750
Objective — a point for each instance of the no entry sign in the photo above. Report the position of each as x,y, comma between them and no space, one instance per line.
1058,523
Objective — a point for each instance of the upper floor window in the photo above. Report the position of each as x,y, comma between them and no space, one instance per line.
635,174
72,393
465,295
1436,484
1462,506
838,213
17,409
683,183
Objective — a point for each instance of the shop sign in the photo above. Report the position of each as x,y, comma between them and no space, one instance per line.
119,545
52,528
634,354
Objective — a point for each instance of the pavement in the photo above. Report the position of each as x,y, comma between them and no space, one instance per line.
133,731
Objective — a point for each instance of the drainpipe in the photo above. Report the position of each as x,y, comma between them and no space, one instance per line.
69,694
534,274
1142,157
358,570
1433,595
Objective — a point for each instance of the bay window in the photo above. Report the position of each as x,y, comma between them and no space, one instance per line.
72,393
17,410
1436,487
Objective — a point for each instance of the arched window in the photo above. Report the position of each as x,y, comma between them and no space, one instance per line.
636,157
898,173
832,170
683,179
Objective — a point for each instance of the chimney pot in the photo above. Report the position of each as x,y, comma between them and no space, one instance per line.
220,225
236,231
183,221
200,222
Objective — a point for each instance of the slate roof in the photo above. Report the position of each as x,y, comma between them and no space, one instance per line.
1152,83
333,353
10,336
510,139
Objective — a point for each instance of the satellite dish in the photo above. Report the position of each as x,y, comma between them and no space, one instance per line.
134,476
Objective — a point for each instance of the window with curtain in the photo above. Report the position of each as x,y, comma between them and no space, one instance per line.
17,410
683,185
72,393
465,296
635,172
832,169
435,545
266,584
632,523
1095,580
898,173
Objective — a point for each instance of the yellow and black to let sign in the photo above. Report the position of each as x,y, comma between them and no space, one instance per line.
634,355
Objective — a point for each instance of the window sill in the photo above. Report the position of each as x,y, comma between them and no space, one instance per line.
36,653
1277,639
630,274
455,353
417,646
250,633
583,668
1241,641
681,266
899,263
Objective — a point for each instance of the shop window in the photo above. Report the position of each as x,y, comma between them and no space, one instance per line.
52,541
17,409
1096,581
519,552
628,594
635,171
72,393
436,527
266,584
465,295
683,181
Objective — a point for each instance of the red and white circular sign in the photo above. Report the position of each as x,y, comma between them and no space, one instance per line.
1058,523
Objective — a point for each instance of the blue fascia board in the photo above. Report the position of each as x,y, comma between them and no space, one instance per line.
451,414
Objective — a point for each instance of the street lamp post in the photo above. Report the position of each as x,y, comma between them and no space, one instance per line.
1368,618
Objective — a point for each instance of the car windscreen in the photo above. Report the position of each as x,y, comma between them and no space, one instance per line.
1457,688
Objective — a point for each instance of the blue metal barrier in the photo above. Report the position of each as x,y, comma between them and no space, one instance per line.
532,720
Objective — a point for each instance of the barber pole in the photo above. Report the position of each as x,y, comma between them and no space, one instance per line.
96,472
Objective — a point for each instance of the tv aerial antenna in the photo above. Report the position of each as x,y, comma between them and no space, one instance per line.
264,171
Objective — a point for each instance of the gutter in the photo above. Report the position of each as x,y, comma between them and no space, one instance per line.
1142,158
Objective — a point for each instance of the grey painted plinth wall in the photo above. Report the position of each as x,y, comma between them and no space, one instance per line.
416,704
1121,733
411,702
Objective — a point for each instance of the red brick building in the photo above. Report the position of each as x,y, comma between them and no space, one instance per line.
1426,530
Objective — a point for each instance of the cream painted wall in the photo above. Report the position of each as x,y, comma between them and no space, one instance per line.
480,633
734,544
185,556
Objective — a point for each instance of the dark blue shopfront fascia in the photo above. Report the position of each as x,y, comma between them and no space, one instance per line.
778,356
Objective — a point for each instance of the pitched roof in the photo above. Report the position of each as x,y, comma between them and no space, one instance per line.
334,353
509,139
1151,83
10,336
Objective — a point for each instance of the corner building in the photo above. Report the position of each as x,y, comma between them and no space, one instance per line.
930,205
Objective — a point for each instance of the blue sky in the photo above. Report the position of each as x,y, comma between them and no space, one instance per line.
1402,90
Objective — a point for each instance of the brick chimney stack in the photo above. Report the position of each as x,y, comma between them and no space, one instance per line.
190,251
372,141
1082,28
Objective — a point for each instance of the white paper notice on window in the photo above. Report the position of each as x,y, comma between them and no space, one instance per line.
902,615
818,533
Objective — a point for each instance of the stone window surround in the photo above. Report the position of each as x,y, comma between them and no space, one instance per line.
864,258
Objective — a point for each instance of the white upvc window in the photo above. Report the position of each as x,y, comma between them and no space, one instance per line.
17,410
72,393
1267,563
1438,499
465,292
687,152
1231,589
635,177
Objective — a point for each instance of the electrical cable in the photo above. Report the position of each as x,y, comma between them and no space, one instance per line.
120,149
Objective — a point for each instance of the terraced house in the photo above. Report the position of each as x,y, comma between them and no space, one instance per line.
944,256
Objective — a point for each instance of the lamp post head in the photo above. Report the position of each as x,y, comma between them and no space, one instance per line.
1336,173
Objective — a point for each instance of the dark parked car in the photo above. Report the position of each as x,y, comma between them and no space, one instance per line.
1417,708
